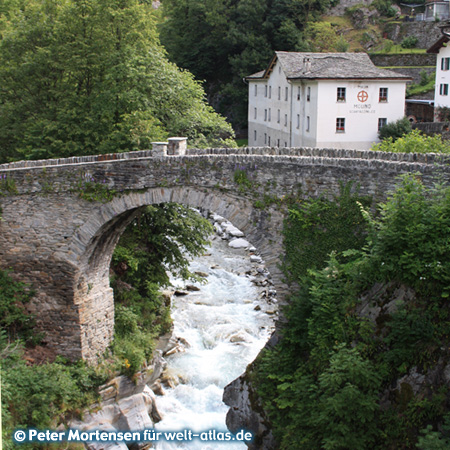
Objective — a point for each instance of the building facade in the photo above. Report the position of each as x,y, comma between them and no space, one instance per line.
441,89
333,100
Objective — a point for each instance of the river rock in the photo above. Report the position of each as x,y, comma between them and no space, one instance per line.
180,292
255,259
201,274
192,288
134,411
232,230
218,219
238,243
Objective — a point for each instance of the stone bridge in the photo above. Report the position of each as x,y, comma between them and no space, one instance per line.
61,219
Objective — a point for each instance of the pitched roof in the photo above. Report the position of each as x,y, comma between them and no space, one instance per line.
327,66
438,44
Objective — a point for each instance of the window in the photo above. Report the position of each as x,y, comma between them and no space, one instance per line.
285,120
255,135
443,89
265,115
341,94
308,94
265,90
265,138
298,120
286,95
269,141
285,144
340,125
383,95
279,92
298,93
270,91
256,90
270,111
308,123
381,123
278,143
256,113
445,64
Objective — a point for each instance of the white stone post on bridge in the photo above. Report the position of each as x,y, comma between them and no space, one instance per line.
159,148
177,146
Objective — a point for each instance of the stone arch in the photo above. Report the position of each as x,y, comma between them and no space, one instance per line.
92,246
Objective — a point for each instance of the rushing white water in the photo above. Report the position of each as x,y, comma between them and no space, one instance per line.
224,333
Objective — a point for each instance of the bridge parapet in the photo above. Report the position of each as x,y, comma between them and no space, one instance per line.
424,158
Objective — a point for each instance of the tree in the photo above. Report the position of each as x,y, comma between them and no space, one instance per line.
90,76
161,239
395,129
222,41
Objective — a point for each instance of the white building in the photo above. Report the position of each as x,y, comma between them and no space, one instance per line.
333,100
441,89
436,10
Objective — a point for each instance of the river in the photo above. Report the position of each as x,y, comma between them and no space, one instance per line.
224,325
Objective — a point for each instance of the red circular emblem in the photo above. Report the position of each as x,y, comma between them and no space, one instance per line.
362,96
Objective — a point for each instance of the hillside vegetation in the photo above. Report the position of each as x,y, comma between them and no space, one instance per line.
364,358
89,77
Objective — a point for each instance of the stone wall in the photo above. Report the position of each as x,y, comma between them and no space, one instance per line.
407,59
62,244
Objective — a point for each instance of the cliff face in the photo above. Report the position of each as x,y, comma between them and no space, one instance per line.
246,413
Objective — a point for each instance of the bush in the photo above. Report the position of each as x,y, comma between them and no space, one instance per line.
13,317
413,142
388,45
409,42
395,129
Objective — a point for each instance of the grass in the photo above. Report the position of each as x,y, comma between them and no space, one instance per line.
242,142
397,49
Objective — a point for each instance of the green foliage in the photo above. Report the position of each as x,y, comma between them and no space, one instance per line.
92,191
341,45
242,179
316,227
426,85
388,44
89,77
413,238
221,41
395,130
316,399
411,331
13,318
384,7
162,238
322,37
133,343
409,42
43,396
435,440
348,401
7,185
413,142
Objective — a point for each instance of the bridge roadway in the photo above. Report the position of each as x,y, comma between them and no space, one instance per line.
61,219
